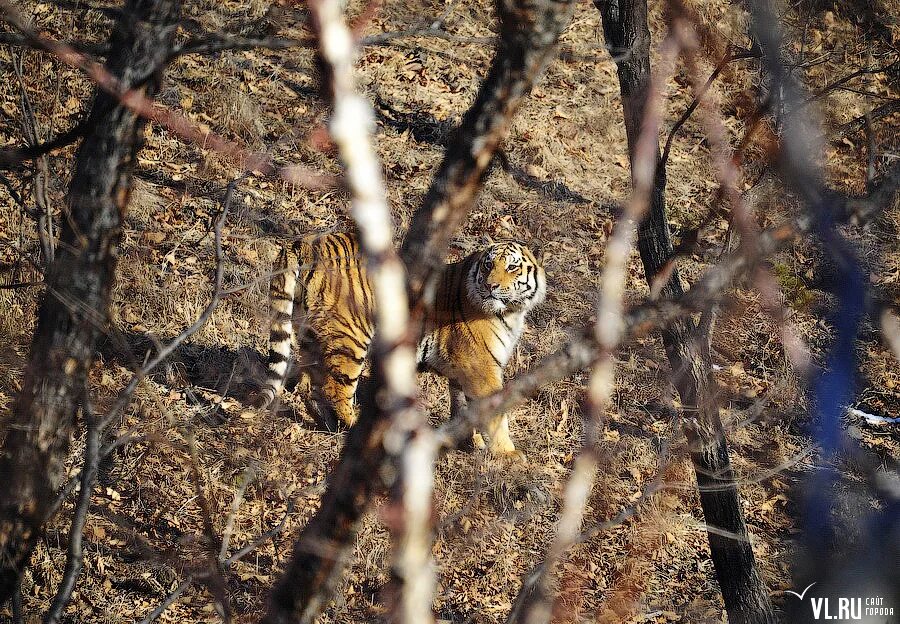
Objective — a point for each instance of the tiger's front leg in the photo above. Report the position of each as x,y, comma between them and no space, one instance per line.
458,403
481,384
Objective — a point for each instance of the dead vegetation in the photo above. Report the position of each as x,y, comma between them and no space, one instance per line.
567,175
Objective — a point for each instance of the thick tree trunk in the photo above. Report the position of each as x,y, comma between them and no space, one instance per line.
74,310
745,595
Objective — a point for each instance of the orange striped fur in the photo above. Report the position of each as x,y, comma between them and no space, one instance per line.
470,331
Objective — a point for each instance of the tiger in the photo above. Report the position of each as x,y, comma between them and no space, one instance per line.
469,332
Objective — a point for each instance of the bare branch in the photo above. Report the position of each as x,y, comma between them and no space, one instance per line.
125,396
140,104
534,606
169,601
213,578
528,33
226,564
165,351
855,125
63,344
832,388
431,31
94,48
10,158
698,96
212,43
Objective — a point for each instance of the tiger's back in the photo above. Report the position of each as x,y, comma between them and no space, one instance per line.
469,333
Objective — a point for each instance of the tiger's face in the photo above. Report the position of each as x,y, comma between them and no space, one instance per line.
507,278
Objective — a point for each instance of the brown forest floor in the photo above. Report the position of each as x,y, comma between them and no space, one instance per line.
569,171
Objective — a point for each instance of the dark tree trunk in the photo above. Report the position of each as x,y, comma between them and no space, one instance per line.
74,310
744,593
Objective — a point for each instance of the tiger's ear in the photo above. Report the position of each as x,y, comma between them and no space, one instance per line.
485,240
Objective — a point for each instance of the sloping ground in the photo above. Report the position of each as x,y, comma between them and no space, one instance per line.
568,171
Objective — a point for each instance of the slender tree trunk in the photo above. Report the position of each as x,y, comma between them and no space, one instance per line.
745,595
74,310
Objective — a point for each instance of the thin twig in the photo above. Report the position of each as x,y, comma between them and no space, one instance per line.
41,175
214,579
246,479
74,554
245,550
165,351
140,104
393,354
125,396
169,600
698,96
533,604
641,319
435,33
212,43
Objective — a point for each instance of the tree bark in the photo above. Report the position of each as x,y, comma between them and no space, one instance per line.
744,593
75,307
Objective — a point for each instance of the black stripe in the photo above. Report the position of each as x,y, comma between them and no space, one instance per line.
344,352
357,310
348,253
276,358
367,305
343,334
350,326
341,378
334,247
532,280
276,335
493,356
498,336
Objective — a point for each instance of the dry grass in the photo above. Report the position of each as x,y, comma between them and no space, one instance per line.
496,518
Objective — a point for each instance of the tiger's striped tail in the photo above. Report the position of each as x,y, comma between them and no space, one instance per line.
282,291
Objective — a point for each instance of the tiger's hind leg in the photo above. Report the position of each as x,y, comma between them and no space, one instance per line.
311,377
333,367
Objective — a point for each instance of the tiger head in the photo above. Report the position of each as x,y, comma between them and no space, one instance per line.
506,277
